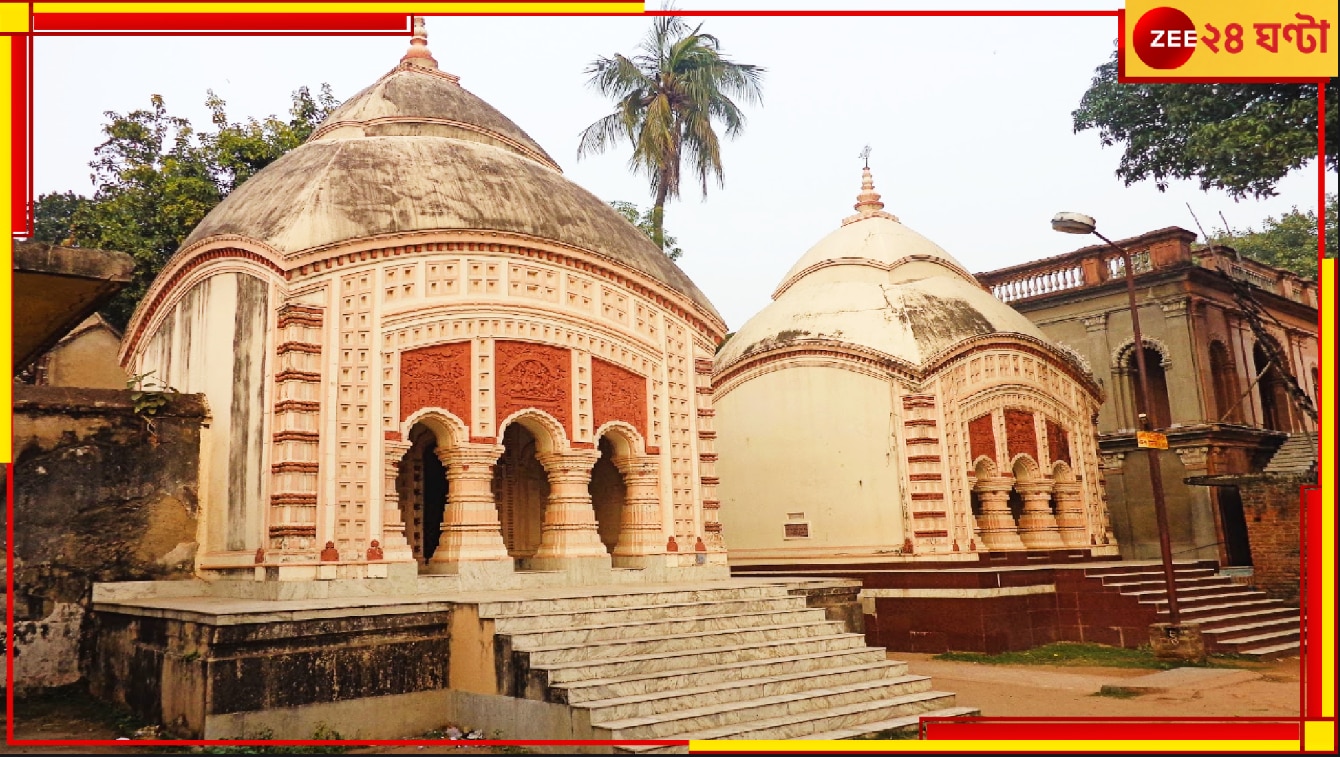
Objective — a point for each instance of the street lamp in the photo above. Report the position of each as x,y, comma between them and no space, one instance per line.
1078,223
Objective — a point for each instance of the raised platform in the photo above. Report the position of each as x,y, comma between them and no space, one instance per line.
735,658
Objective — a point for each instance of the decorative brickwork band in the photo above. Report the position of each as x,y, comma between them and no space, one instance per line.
640,522
1037,525
999,532
393,543
569,528
470,528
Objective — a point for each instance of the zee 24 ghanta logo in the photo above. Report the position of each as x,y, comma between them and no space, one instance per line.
1165,38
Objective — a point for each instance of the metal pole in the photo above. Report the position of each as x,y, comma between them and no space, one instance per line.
1146,424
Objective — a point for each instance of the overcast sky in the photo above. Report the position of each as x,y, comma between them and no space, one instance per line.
968,118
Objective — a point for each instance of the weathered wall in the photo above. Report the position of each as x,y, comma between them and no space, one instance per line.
87,359
96,498
1272,510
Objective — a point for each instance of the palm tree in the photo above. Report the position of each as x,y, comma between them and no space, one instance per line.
666,99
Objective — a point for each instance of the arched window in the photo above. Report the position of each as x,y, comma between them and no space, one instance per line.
1273,391
1160,415
1225,377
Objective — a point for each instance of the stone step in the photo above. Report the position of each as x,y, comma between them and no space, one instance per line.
1214,622
1187,592
755,713
612,600
578,618
1179,568
1146,583
540,657
907,723
1272,651
650,683
683,700
1201,600
1189,613
1281,624
1255,640
593,634
587,670
795,725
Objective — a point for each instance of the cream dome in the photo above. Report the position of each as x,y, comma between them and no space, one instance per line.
417,152
877,284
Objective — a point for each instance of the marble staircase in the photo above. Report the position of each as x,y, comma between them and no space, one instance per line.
1233,618
734,662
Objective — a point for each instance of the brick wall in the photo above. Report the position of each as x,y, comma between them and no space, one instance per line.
1271,507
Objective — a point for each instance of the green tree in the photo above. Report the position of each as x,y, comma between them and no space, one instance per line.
667,98
1288,242
1241,138
156,177
642,219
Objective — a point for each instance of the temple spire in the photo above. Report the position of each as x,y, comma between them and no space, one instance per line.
418,54
868,203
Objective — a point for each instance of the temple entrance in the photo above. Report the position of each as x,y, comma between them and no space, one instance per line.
521,489
1237,548
422,486
608,494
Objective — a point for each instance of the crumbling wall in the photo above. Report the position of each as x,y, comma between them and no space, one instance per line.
99,495
1271,507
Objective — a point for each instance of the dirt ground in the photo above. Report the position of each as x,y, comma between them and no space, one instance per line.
1258,689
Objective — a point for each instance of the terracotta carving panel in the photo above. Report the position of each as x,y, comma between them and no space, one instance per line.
1020,435
982,437
1058,443
618,394
437,376
536,376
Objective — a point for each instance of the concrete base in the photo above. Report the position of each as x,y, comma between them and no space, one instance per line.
1177,642
593,570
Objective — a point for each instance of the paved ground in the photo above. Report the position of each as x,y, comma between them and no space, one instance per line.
1257,689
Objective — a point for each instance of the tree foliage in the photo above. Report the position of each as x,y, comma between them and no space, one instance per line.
1288,242
1241,138
668,98
156,177
642,219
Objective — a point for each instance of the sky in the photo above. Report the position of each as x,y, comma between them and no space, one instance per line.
968,120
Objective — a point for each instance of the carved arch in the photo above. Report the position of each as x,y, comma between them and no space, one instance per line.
548,432
1123,353
446,427
623,436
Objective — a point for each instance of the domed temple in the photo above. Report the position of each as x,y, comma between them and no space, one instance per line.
421,344
886,407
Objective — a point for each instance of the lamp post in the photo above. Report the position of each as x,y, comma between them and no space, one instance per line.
1077,223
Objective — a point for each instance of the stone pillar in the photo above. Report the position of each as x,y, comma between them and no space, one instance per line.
569,527
1037,525
471,532
997,525
394,546
640,531
1070,516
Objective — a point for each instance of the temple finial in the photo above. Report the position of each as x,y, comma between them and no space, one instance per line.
868,203
418,54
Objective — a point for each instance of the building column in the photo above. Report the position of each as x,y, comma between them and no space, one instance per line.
1037,525
471,532
1070,514
999,532
569,528
393,544
640,531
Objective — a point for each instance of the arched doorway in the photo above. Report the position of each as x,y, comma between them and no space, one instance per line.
1160,414
1274,394
608,495
422,486
521,489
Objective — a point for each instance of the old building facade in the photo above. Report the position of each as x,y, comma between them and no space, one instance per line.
422,345
1223,401
885,407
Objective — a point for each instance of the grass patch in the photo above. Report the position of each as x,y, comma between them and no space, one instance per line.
1071,654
